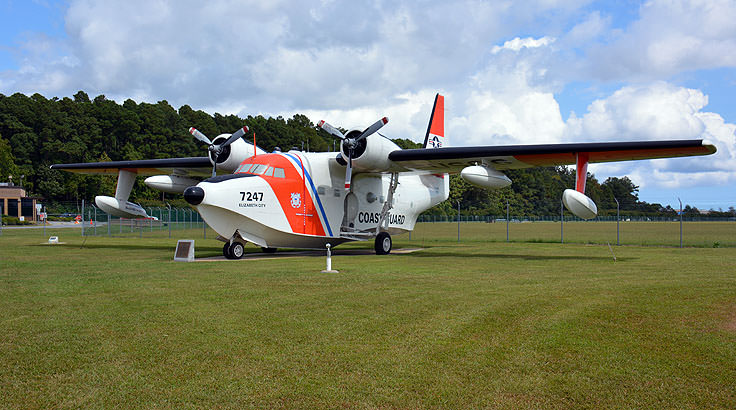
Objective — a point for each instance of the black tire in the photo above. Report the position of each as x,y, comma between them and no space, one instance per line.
383,243
237,250
226,250
269,250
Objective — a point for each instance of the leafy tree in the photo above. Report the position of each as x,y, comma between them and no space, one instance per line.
36,131
7,161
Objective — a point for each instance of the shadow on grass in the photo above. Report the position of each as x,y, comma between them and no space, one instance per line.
215,251
519,256
128,246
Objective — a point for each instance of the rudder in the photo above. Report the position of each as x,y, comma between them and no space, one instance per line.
435,137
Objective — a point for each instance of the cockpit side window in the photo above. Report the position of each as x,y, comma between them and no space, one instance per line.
258,169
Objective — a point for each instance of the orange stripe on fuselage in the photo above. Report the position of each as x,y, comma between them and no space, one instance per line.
305,217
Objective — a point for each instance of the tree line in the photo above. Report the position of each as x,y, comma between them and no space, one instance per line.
36,132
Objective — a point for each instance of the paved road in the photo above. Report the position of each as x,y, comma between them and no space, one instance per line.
53,224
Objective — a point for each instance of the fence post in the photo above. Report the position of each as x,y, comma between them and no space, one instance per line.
507,220
618,219
82,214
678,198
108,225
562,220
458,221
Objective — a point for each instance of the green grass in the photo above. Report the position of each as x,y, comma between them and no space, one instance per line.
116,323
695,234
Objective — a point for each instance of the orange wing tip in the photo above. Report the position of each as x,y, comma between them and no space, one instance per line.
710,146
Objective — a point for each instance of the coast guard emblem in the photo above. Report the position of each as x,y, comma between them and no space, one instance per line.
296,200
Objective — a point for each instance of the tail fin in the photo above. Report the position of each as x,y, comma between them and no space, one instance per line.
435,137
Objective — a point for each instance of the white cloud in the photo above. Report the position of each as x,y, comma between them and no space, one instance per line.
656,112
518,43
351,63
671,36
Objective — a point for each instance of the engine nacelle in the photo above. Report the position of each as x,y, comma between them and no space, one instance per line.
371,153
232,155
172,184
579,204
485,177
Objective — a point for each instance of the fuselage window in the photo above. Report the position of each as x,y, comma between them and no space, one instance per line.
279,173
269,172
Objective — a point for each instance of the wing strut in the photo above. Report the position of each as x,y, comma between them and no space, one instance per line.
575,200
581,175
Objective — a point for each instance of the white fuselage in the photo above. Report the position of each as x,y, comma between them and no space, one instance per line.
298,199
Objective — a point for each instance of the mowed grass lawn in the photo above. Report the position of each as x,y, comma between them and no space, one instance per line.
115,323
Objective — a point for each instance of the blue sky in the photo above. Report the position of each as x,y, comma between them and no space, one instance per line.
512,72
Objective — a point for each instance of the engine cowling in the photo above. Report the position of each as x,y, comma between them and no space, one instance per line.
173,184
371,153
234,154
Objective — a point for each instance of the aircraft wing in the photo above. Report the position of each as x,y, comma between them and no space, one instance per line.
454,159
192,166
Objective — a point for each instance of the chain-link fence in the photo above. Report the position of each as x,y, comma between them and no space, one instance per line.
569,218
624,232
176,222
95,222
164,222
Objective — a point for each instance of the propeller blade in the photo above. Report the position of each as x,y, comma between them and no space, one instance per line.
332,130
198,135
373,128
237,134
349,170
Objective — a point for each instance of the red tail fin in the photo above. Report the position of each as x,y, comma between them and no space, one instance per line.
435,137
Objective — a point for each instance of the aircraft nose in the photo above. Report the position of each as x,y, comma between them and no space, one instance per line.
194,195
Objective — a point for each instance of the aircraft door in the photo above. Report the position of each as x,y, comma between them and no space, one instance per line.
350,210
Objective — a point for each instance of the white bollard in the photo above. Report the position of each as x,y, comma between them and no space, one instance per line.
329,261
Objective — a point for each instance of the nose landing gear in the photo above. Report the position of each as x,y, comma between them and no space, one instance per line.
234,250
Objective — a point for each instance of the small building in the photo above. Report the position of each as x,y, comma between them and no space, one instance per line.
15,203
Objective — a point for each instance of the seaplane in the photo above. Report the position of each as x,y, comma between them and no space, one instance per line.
370,190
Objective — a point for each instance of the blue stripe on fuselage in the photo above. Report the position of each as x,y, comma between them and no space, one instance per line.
314,192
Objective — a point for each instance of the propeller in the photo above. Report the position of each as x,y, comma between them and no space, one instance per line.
216,149
350,143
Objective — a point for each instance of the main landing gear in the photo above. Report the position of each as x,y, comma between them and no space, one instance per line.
383,243
236,250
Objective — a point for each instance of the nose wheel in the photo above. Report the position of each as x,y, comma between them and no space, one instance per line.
236,250
383,243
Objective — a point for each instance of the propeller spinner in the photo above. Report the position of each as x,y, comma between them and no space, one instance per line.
216,149
350,143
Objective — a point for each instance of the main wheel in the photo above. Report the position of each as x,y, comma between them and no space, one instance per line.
237,250
269,250
226,250
383,243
